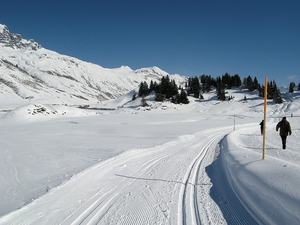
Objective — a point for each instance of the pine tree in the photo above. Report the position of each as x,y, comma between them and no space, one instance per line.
255,84
144,89
151,86
271,89
226,80
155,87
141,89
236,81
250,84
194,87
173,88
277,97
184,97
220,90
291,87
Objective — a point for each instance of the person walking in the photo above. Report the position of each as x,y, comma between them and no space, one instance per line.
285,130
262,127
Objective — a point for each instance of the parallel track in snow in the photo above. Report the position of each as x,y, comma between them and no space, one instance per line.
97,206
188,205
169,187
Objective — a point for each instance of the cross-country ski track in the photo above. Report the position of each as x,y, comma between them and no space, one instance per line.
170,187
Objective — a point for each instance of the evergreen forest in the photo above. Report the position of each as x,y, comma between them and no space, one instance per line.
167,89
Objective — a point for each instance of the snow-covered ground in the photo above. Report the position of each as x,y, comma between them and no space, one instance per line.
199,163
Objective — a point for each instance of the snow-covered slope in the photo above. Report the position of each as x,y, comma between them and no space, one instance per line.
29,72
199,163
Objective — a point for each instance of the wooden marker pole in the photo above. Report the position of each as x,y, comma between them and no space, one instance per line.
265,117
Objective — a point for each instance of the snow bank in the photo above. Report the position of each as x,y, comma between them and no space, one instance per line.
267,188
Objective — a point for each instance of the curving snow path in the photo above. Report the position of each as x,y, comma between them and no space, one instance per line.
169,187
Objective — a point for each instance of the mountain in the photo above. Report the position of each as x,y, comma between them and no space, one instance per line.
29,72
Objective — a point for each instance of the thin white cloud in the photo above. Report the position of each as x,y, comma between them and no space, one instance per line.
292,77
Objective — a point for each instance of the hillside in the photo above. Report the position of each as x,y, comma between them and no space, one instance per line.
31,73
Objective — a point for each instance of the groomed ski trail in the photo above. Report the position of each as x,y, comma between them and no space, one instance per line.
170,187
188,202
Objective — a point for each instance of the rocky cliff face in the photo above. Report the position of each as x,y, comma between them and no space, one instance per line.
16,41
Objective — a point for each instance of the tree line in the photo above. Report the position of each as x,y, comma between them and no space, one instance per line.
167,89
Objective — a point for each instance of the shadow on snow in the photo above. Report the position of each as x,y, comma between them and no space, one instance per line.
223,195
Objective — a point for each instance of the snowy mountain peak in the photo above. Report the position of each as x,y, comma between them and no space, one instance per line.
16,41
151,70
2,27
31,73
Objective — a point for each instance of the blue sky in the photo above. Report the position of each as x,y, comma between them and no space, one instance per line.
260,38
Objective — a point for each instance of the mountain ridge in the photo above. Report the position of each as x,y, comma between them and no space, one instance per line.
30,72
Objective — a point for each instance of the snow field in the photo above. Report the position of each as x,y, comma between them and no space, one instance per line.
158,166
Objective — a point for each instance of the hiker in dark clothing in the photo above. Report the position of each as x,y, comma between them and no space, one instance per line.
262,127
285,130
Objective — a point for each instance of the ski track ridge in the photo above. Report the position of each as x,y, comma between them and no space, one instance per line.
189,188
